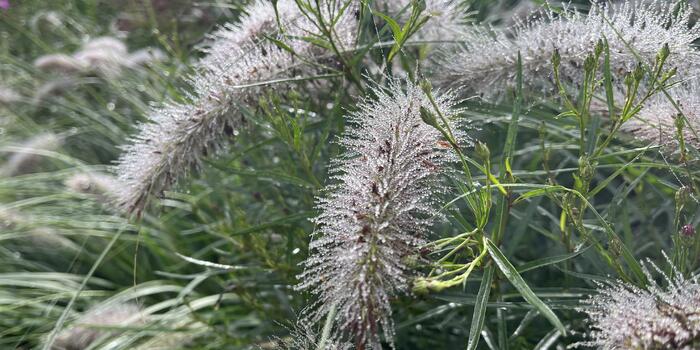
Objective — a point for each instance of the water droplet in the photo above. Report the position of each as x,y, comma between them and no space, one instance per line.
295,251
110,106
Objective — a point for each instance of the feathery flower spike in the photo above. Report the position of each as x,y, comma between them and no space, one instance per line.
103,55
657,122
59,63
180,133
145,56
81,336
623,316
489,59
39,236
303,337
92,183
377,212
103,187
106,43
26,159
8,96
188,331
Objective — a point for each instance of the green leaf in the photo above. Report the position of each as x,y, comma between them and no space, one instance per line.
566,114
273,223
603,184
395,27
519,283
607,74
479,315
64,315
513,126
539,192
548,341
402,34
280,44
327,327
271,175
396,31
536,264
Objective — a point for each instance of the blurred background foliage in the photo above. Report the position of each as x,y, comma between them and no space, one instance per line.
248,210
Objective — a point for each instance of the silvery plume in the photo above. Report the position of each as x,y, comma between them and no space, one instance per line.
86,328
489,58
239,62
659,120
103,187
303,337
26,156
8,96
187,328
623,316
39,237
146,56
60,63
376,212
104,55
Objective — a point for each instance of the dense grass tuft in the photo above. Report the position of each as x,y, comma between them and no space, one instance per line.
342,174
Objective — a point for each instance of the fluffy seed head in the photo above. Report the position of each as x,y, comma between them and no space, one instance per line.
103,55
489,59
145,56
81,336
26,158
40,238
93,183
179,134
303,337
188,331
53,88
623,316
525,10
376,212
106,43
103,187
657,122
59,63
8,96
104,62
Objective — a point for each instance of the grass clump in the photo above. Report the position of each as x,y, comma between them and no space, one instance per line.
348,175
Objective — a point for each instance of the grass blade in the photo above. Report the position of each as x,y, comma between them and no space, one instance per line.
513,125
519,283
536,264
479,315
64,315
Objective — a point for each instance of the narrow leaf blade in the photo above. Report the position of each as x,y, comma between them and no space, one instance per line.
519,283
479,315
